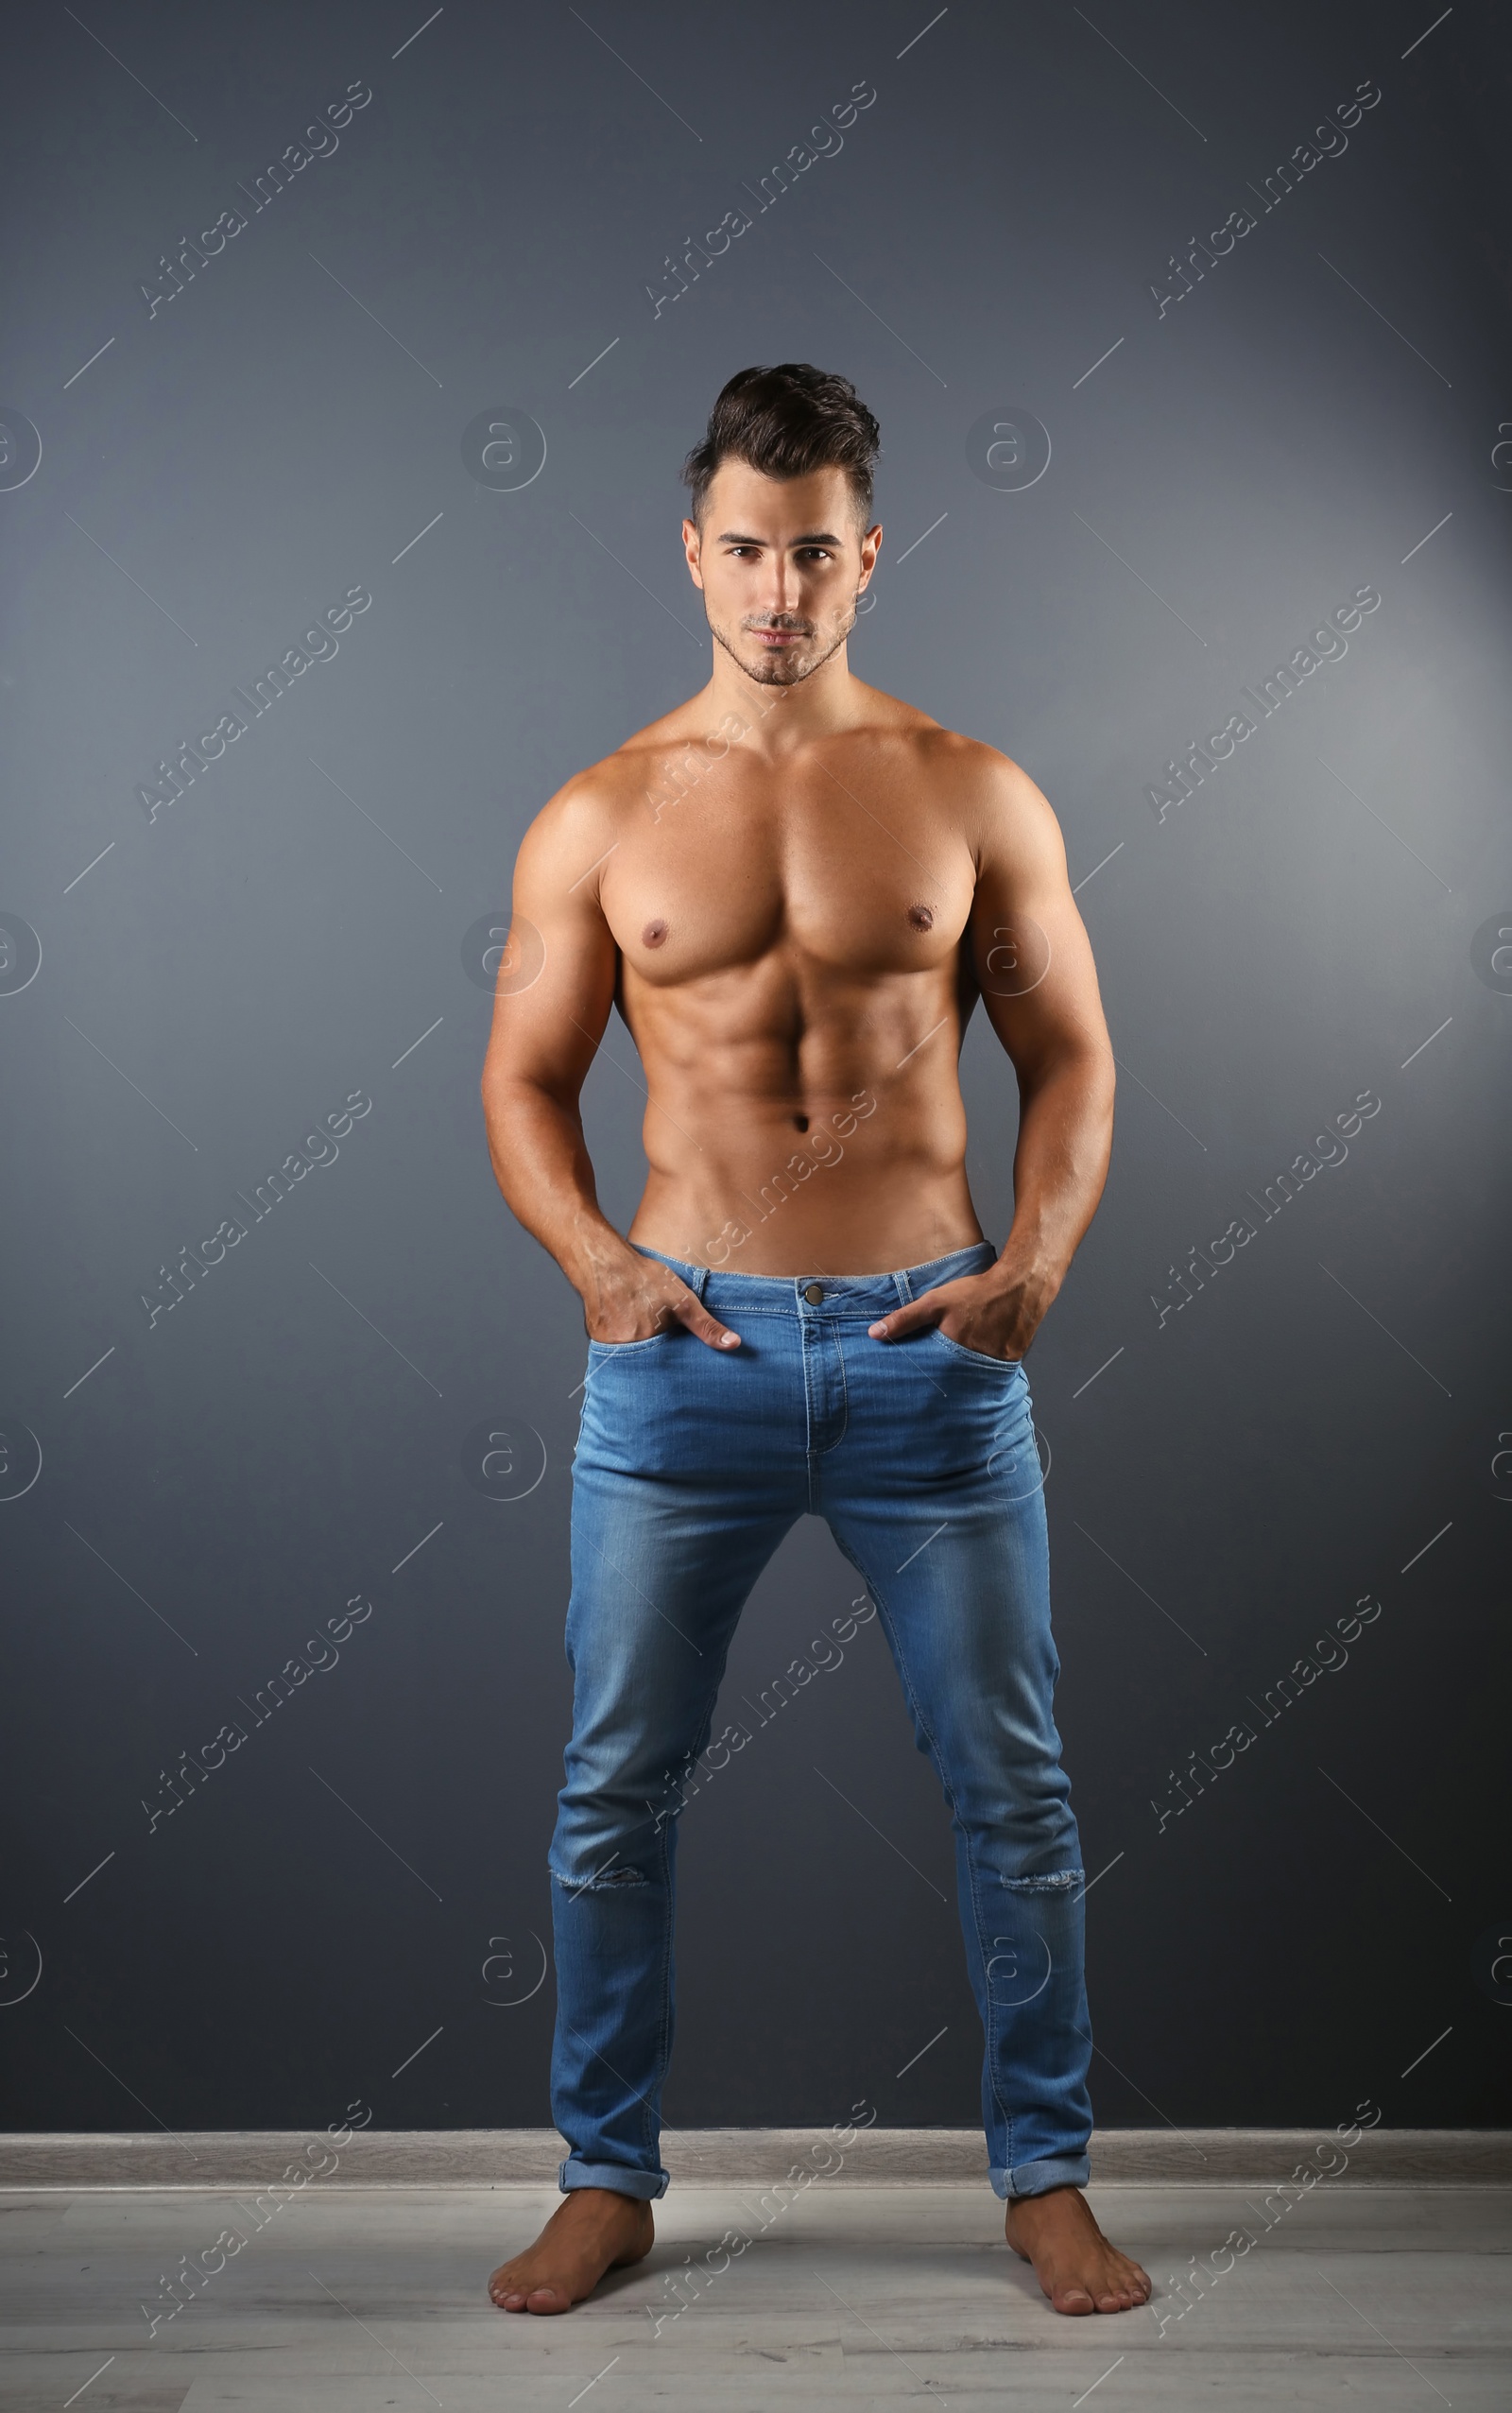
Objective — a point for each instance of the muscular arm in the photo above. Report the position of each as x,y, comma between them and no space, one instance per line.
551,1005
1033,965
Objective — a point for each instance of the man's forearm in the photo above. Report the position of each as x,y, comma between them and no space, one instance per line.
1059,1165
540,1162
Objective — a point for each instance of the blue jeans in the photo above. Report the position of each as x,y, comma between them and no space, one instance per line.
692,1464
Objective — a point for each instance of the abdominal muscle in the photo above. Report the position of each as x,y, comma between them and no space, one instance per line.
803,1145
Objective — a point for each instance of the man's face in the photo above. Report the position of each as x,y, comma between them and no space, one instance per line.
780,562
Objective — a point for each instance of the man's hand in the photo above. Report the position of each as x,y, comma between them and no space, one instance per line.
996,1313
627,1297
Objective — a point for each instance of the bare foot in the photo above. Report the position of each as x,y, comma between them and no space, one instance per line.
1075,2266
592,2230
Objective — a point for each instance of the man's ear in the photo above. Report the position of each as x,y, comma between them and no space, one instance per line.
691,546
871,548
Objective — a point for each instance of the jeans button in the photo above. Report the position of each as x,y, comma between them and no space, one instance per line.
814,1294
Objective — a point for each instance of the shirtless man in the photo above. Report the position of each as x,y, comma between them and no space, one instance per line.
796,889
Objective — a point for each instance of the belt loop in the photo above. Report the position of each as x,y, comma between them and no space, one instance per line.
904,1288
700,1281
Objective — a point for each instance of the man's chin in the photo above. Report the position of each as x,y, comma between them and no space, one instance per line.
777,669
788,666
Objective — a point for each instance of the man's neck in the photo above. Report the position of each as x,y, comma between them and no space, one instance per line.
780,719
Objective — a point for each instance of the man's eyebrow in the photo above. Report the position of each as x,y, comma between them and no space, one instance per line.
815,536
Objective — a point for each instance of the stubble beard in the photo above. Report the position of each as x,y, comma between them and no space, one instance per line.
782,669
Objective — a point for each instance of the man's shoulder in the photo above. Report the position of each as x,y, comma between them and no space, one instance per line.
962,767
603,792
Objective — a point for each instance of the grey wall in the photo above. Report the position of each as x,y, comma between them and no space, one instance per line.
1232,1466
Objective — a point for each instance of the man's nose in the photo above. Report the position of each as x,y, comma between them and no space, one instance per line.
780,586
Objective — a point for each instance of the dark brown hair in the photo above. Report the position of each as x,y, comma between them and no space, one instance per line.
787,421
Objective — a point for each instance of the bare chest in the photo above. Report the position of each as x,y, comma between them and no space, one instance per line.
748,865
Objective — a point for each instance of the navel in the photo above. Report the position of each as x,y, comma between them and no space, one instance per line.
654,934
921,917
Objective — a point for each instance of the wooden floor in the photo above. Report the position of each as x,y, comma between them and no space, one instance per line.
1366,2297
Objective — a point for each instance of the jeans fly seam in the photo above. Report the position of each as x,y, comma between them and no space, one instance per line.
834,1339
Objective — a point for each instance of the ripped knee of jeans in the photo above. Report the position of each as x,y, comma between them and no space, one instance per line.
1060,1881
601,1880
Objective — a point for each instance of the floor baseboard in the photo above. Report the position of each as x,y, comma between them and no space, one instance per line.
740,2157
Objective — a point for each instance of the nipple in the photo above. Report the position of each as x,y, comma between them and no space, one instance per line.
654,933
922,916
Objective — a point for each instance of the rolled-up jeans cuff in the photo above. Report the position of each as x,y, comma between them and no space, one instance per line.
647,2185
1037,2178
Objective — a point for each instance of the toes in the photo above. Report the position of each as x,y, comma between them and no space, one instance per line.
1117,2301
546,2299
1072,2299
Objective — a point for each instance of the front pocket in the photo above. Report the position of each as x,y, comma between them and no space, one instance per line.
974,1357
628,1347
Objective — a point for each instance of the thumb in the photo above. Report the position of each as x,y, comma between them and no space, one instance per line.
919,1316
704,1327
